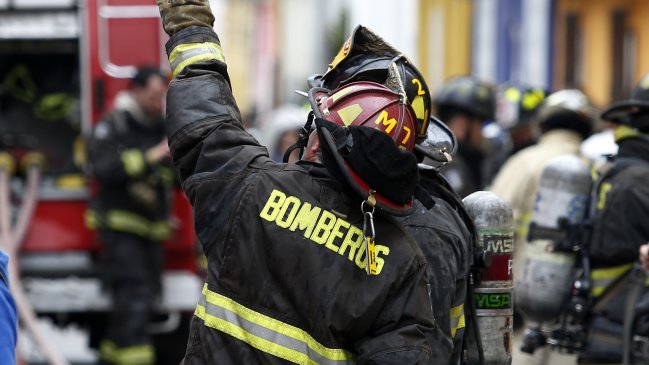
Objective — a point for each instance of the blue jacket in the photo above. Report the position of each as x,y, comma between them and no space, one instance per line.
7,315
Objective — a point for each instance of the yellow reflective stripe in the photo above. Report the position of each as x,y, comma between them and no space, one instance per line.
91,219
129,355
604,189
457,311
166,176
461,323
160,231
124,221
602,278
107,350
186,54
254,341
133,161
202,262
523,224
624,131
128,222
248,320
610,273
532,99
273,324
457,319
135,355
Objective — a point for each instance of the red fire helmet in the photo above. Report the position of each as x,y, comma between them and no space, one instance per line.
368,104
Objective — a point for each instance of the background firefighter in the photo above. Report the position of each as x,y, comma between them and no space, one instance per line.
620,209
465,104
128,157
565,119
284,292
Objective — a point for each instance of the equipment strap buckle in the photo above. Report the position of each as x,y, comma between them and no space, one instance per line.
368,239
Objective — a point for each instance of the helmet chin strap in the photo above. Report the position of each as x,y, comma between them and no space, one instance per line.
302,139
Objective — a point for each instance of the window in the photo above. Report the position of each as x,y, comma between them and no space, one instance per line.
623,47
574,52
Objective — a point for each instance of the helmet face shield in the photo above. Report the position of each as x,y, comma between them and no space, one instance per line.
440,144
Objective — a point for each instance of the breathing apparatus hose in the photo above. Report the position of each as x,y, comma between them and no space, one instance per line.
302,140
12,241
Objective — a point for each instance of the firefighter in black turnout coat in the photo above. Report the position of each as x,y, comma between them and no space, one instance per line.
129,160
305,264
437,224
620,208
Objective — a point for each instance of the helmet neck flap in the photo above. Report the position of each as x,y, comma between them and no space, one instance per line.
366,134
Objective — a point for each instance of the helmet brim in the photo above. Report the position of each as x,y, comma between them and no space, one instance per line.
439,144
620,111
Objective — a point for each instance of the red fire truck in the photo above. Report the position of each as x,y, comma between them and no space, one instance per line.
61,64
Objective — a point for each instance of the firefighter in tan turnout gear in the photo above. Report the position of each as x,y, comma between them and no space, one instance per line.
306,263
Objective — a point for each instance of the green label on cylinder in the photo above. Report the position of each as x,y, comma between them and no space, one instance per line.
492,300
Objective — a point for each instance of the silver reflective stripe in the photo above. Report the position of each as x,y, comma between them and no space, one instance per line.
454,323
457,319
279,341
187,54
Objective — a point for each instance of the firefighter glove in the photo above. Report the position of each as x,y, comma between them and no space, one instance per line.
180,14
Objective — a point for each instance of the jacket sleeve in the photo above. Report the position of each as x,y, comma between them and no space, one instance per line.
8,315
110,161
211,150
406,328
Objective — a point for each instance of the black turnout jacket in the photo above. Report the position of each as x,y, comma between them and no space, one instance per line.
286,259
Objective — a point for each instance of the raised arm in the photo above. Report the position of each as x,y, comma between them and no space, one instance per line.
204,126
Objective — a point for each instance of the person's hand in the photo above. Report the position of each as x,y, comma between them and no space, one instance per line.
644,255
158,152
178,15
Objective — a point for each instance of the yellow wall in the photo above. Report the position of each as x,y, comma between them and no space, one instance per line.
238,43
455,52
458,37
639,23
596,25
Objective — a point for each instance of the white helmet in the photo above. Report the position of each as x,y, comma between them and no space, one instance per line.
272,126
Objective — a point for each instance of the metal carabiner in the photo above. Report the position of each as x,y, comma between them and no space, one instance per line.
368,217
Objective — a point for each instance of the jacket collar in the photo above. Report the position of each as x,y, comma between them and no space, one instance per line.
555,136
